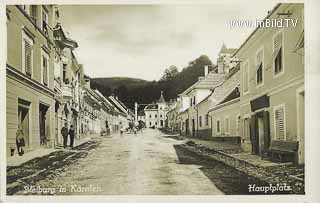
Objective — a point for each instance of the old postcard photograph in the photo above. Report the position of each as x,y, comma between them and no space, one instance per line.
154,99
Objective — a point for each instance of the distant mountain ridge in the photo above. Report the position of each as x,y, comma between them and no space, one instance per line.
116,81
130,90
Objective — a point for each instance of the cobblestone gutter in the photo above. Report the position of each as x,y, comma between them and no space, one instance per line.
282,174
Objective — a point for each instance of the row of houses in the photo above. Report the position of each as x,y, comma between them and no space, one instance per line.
254,96
47,86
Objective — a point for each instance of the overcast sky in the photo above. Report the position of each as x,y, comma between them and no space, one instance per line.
142,40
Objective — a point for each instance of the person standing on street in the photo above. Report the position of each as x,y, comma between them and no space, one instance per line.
20,141
72,134
64,133
121,130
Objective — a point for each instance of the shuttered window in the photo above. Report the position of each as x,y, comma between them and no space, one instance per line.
27,54
277,53
279,117
28,57
246,77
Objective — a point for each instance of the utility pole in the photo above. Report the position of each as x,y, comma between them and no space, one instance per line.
135,111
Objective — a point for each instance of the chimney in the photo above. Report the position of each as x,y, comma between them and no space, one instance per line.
206,70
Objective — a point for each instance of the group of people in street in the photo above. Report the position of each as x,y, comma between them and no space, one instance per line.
134,127
65,132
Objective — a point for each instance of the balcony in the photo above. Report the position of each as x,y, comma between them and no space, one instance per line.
66,90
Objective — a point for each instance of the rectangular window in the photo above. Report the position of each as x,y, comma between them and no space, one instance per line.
279,119
200,121
194,100
44,68
34,12
27,56
259,66
207,119
191,101
218,126
246,77
227,127
45,21
238,124
64,72
277,54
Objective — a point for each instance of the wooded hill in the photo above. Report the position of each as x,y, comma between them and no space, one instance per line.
171,83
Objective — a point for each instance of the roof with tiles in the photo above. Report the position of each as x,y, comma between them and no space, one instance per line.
208,82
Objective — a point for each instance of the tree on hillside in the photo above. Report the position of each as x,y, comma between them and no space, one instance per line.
169,73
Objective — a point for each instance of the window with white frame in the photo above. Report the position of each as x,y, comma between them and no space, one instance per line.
246,77
277,53
279,122
44,68
227,125
27,54
45,21
259,67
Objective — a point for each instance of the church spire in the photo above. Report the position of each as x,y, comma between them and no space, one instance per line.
161,99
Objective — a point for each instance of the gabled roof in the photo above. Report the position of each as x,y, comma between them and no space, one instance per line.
235,93
208,82
117,104
232,81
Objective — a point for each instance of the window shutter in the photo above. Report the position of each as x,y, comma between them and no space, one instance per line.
279,118
28,57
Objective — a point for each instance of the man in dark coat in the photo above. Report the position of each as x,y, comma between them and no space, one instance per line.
64,133
72,134
20,141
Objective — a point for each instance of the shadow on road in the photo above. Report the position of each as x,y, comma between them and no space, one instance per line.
229,180
40,168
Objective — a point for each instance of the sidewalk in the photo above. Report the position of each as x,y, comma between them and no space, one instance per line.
265,170
217,146
18,160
